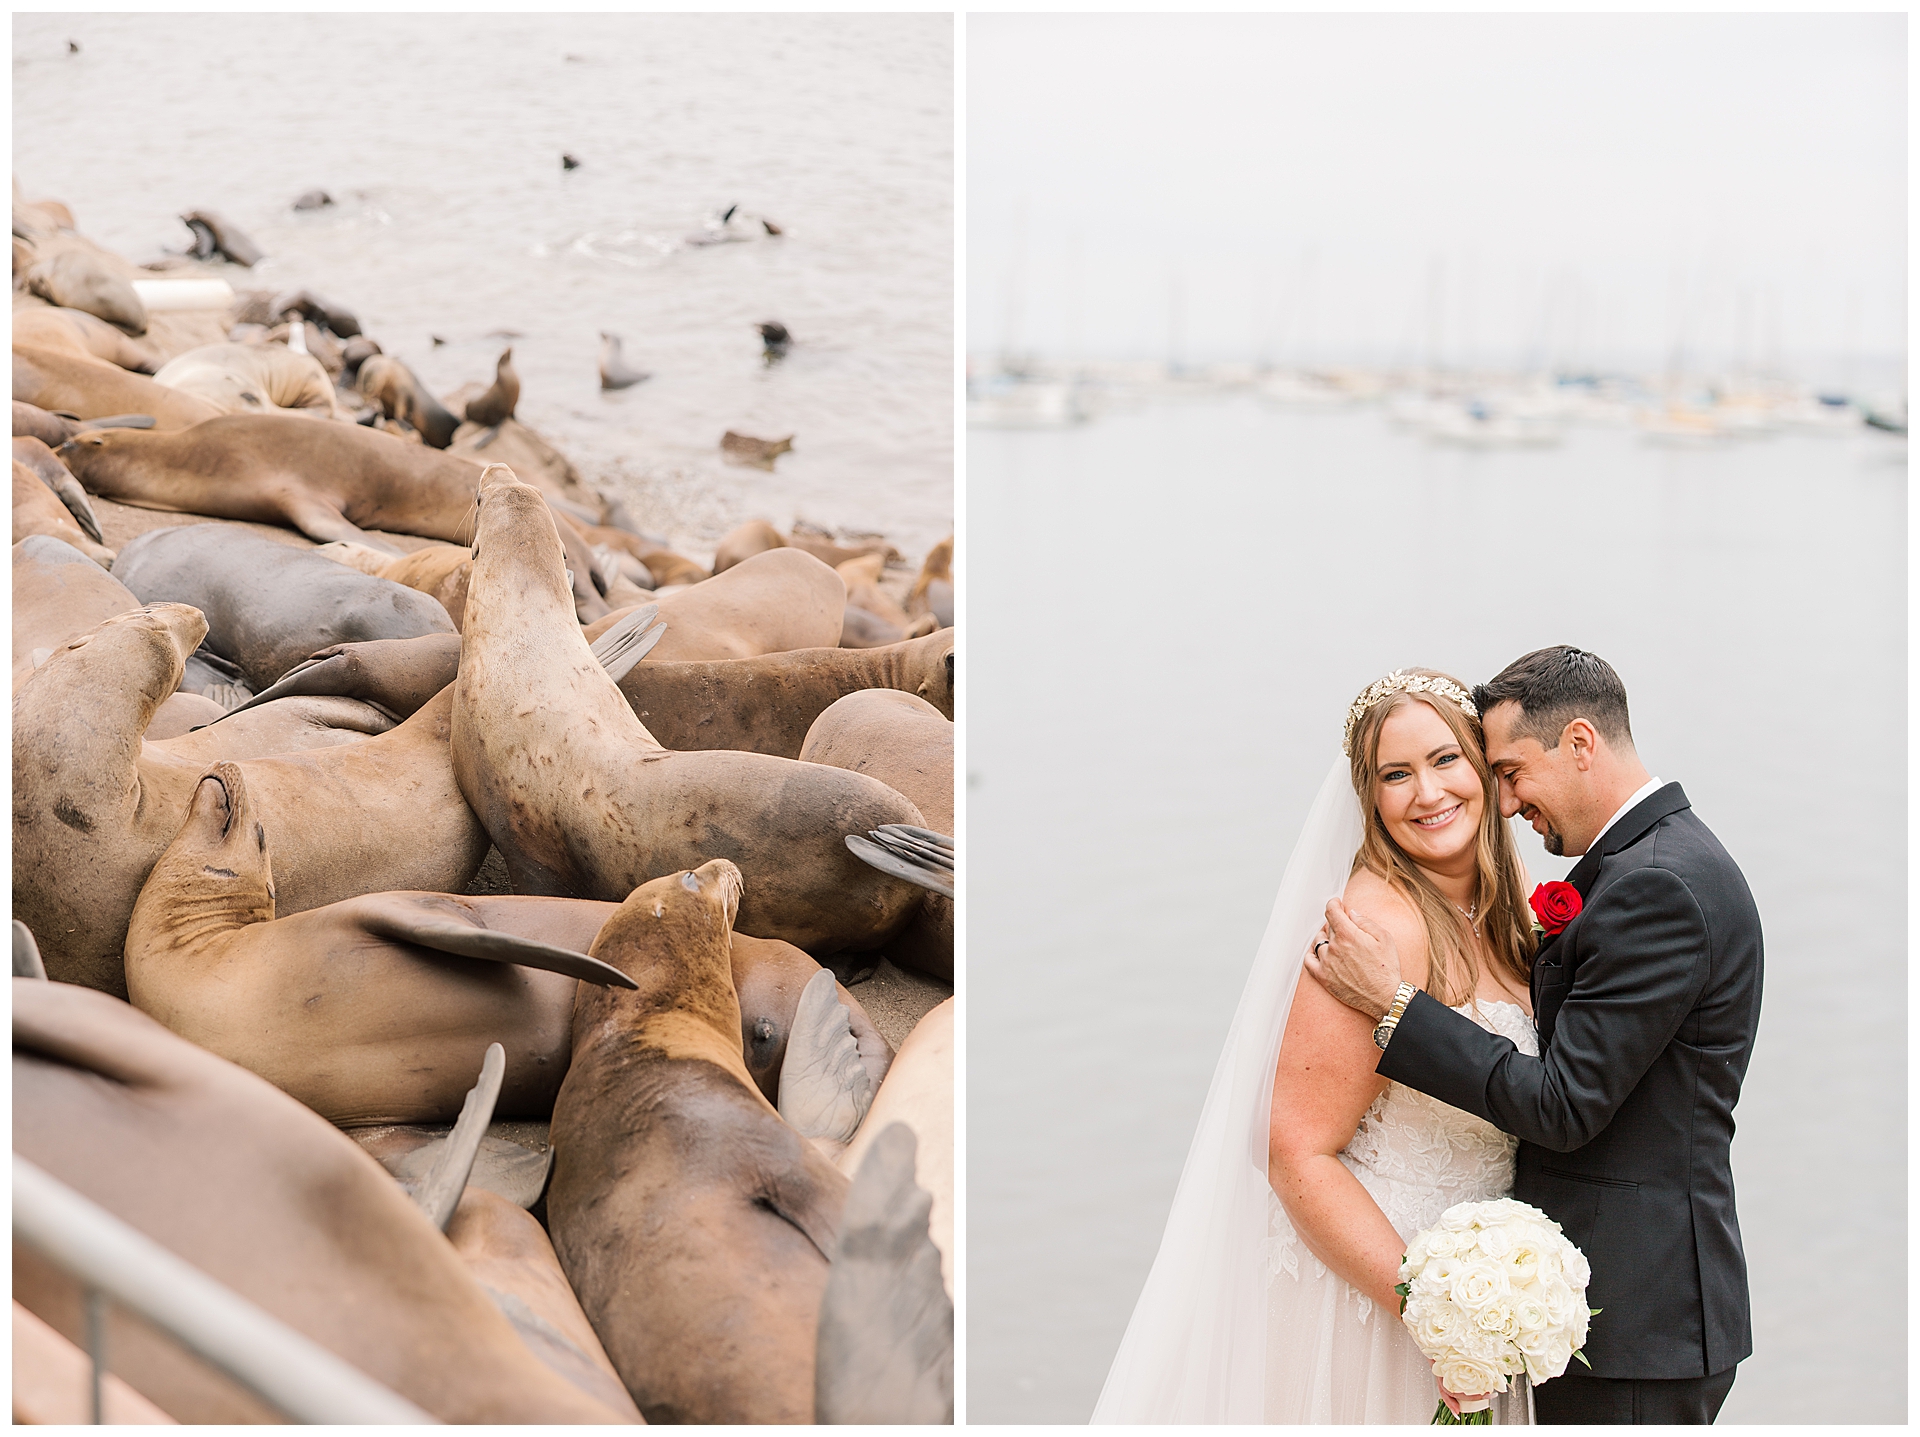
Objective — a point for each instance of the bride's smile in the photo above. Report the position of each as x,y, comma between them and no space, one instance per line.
1427,794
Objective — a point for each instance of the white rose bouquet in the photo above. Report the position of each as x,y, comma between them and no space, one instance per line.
1491,1291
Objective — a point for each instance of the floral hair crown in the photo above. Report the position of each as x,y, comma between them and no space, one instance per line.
1400,681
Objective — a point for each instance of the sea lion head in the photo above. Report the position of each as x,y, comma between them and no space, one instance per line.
215,876
152,643
674,937
515,538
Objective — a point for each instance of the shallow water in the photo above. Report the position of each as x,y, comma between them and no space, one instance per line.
1184,601
440,138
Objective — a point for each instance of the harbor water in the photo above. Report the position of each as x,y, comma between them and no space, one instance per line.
1184,600
440,139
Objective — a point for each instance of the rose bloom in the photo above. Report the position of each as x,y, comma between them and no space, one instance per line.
1477,1285
1498,1318
1522,1265
1535,1341
1530,1313
1441,1243
1435,1326
1457,1218
1574,1263
1441,1271
1469,1378
1496,1241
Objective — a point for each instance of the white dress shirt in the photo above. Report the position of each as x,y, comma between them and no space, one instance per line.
1646,790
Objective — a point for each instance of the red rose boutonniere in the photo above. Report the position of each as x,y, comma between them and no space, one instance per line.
1554,905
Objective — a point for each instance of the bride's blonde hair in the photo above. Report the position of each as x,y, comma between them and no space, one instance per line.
1499,898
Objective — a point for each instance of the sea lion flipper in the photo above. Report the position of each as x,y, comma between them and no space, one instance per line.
439,1192
69,492
119,421
885,1340
825,1089
26,953
629,641
403,922
924,864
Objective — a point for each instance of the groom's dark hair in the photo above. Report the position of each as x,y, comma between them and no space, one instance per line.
1553,688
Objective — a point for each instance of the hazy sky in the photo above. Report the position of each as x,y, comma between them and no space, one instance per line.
1577,189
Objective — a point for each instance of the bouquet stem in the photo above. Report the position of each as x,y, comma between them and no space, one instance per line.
1443,1417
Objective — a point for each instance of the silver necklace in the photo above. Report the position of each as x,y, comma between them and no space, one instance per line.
1468,913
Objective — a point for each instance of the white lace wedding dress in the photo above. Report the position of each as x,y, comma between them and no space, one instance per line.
1332,1355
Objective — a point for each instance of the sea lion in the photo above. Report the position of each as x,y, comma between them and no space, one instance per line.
79,332
437,570
58,594
38,510
269,605
918,1091
763,704
547,750
496,406
772,602
380,815
756,536
292,725
774,341
215,236
53,430
90,388
907,744
337,318
766,704
932,591
662,565
313,200
511,1257
75,279
822,545
329,481
693,1224
398,392
768,978
265,1197
372,1010
745,449
180,714
615,372
35,454
862,578
252,379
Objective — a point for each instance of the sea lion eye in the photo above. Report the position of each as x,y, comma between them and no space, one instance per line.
689,882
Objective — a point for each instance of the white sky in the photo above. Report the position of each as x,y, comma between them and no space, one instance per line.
1502,188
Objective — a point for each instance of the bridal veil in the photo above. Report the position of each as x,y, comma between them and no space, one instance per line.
1196,1348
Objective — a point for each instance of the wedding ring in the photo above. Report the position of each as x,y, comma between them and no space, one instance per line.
1318,946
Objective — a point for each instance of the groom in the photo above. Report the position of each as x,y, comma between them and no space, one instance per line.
1646,1003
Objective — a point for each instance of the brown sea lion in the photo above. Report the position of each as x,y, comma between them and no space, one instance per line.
919,1092
329,481
862,578
768,978
907,744
400,395
821,544
268,605
92,799
224,1170
496,406
35,454
77,332
58,594
38,510
293,725
181,713
768,604
372,1010
92,388
693,1224
756,536
71,278
766,704
215,236
252,379
745,449
581,800
510,1256
763,704
932,591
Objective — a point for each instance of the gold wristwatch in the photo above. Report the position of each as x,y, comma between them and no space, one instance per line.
1384,1033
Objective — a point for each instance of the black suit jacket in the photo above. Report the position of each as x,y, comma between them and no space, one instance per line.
1646,1005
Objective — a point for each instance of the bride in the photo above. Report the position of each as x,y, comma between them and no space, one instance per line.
1272,1296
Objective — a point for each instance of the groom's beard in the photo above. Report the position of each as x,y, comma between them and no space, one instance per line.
1554,843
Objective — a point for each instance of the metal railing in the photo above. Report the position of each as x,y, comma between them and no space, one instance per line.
290,1372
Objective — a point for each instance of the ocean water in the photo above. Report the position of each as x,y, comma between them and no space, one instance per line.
440,138
1172,610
